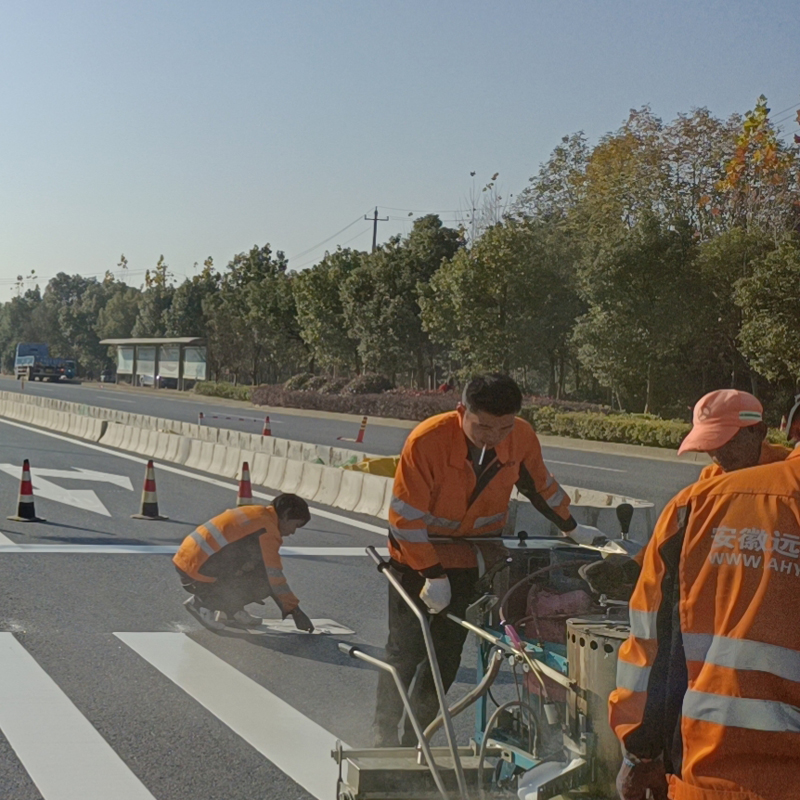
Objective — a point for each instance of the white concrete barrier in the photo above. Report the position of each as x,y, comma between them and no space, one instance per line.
233,461
259,467
218,459
373,492
194,453
294,450
280,447
350,490
292,476
330,483
163,441
387,500
206,456
277,469
309,483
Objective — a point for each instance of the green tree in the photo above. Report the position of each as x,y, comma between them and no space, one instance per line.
186,315
770,301
507,302
320,312
155,302
636,289
382,298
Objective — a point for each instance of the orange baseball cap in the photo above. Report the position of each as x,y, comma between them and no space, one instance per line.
718,417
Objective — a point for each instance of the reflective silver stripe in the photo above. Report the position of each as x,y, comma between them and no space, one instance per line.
741,712
216,533
442,522
550,481
557,498
629,676
407,511
241,517
203,544
282,589
483,521
643,623
411,535
695,645
745,654
272,572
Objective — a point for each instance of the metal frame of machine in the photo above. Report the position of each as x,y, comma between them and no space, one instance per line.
541,747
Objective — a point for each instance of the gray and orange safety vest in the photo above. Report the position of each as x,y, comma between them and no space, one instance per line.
436,491
231,526
710,676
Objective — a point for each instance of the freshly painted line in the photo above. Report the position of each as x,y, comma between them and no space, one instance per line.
295,744
355,523
170,549
583,466
5,540
65,756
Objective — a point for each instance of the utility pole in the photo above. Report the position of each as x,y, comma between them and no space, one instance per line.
375,221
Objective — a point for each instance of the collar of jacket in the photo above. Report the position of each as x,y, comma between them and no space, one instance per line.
458,445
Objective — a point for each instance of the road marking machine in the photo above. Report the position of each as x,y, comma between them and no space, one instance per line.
548,616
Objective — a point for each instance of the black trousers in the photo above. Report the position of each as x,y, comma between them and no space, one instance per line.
241,578
405,650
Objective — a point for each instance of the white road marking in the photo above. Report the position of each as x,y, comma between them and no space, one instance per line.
63,753
80,474
7,546
4,540
262,719
85,499
583,466
355,523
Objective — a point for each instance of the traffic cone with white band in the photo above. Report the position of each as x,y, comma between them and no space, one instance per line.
149,496
26,511
245,496
267,428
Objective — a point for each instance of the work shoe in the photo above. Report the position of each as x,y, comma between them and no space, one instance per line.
211,619
246,620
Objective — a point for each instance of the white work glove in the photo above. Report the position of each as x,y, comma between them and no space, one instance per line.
436,594
586,535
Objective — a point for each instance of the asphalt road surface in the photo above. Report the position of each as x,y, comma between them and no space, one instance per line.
634,476
110,689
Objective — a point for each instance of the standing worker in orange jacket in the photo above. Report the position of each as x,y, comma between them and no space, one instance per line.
454,479
708,684
234,559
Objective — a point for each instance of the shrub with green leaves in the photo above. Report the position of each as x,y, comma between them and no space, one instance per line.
227,390
623,428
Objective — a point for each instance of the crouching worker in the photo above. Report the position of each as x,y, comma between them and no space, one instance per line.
234,559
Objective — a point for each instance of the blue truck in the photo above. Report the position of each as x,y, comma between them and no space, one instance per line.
33,363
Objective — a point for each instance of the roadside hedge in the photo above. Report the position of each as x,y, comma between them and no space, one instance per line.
623,428
228,390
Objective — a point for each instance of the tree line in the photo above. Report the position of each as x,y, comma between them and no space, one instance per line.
648,268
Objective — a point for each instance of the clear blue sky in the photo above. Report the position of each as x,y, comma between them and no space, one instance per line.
202,128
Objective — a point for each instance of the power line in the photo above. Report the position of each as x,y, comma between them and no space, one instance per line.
352,238
325,241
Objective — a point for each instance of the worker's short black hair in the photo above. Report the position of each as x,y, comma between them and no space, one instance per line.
290,506
495,394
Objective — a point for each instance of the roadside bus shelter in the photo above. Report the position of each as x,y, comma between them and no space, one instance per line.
169,363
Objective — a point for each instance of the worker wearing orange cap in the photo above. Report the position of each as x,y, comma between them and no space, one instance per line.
707,705
728,425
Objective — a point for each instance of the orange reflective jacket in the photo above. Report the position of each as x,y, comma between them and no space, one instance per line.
436,492
229,527
770,454
710,676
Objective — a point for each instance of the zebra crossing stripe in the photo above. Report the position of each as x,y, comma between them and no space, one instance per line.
63,753
262,719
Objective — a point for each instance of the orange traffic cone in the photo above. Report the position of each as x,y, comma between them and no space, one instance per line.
267,429
25,508
245,496
360,438
149,496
